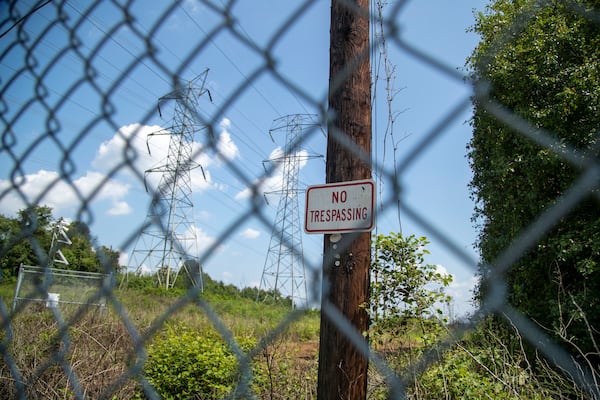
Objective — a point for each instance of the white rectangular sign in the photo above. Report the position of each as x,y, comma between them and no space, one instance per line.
340,207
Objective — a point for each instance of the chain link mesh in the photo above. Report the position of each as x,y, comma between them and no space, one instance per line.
93,73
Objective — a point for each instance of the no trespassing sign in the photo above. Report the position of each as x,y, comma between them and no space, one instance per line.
340,207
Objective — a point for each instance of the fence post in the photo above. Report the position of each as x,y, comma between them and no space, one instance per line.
342,367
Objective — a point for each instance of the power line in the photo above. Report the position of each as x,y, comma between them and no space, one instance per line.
215,92
23,18
232,62
254,87
112,38
292,93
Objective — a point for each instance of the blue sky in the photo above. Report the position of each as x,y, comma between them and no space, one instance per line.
434,183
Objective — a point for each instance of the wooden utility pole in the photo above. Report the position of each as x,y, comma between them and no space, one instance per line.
342,367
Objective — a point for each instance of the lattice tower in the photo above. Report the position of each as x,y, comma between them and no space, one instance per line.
168,243
59,239
284,274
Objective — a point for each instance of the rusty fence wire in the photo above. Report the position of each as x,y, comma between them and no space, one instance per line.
62,61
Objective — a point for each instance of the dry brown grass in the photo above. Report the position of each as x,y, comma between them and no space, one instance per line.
95,348
99,349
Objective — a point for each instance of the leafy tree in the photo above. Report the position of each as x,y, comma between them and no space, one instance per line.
13,252
402,284
80,253
35,217
108,259
85,254
541,61
25,239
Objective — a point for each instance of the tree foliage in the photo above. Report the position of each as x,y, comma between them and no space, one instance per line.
27,239
402,284
541,61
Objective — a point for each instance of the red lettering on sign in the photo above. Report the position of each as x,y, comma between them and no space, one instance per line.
336,197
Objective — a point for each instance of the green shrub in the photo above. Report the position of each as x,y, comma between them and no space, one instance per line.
186,364
475,372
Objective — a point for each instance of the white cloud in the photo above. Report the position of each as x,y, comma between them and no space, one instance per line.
250,233
461,292
262,186
225,146
110,189
136,148
441,270
123,258
463,288
120,208
130,144
127,153
61,195
203,240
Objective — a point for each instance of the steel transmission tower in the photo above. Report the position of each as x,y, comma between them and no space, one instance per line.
284,275
168,243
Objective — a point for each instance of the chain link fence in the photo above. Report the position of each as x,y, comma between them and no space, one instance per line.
63,61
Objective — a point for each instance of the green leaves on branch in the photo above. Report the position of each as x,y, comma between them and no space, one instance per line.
188,364
402,284
540,61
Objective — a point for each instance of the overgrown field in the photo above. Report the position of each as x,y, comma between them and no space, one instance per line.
184,356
